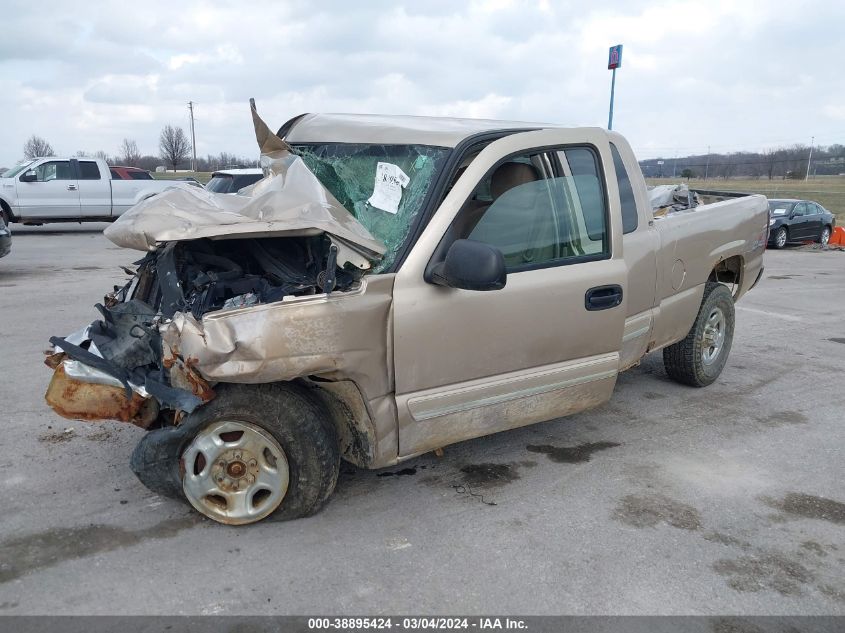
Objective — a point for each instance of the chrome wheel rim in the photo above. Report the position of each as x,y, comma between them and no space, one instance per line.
235,472
781,238
713,336
825,236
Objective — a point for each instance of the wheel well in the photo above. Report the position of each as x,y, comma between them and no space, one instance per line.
8,209
729,272
348,411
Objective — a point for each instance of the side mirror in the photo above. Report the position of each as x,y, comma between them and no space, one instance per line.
29,176
471,265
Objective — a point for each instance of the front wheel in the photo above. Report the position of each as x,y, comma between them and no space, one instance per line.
260,450
781,237
699,358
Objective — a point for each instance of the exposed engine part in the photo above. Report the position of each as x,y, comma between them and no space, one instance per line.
206,275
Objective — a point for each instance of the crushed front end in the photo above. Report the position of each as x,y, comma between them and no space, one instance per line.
284,239
125,367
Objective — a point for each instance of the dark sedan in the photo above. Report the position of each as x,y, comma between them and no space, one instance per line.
792,221
5,238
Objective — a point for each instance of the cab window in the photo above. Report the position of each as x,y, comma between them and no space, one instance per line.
540,209
626,193
88,170
54,170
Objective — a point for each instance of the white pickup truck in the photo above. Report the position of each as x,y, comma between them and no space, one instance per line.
71,189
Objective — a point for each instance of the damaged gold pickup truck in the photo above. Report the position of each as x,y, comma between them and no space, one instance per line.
394,285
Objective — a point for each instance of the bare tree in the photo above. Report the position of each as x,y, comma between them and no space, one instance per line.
174,145
37,146
728,166
769,160
129,154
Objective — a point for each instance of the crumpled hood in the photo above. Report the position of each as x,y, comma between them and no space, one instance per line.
289,201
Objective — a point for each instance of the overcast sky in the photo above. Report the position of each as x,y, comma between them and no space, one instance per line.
731,74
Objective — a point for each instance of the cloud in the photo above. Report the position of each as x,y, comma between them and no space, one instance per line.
491,106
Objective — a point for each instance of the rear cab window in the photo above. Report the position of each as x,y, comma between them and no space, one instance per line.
628,203
88,170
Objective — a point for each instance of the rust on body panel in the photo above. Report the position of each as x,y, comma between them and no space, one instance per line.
184,375
80,400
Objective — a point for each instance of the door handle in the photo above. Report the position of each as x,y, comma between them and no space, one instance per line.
603,297
71,187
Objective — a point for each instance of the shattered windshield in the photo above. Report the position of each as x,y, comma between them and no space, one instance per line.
387,206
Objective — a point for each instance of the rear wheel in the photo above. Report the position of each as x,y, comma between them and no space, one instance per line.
824,238
699,358
781,237
260,450
4,213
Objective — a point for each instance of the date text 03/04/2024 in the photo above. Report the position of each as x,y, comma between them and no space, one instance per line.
411,623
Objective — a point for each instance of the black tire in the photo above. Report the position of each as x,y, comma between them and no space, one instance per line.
779,242
686,360
7,217
298,422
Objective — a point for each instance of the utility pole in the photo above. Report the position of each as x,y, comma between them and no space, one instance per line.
614,61
674,164
193,138
810,159
707,166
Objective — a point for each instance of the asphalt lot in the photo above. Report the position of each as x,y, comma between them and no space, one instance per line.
669,500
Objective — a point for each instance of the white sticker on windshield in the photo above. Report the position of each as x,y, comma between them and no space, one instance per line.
387,191
779,211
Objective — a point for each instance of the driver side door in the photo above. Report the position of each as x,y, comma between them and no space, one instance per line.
471,363
53,194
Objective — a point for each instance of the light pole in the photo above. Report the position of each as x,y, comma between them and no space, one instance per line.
614,61
193,138
810,159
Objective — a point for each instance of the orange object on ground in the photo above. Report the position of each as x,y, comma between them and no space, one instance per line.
837,238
